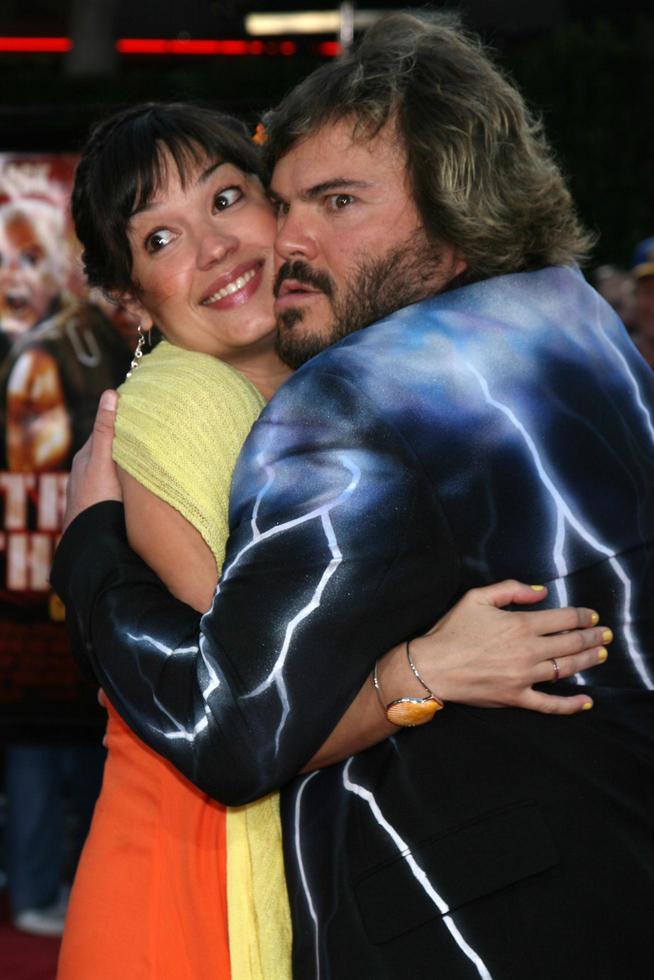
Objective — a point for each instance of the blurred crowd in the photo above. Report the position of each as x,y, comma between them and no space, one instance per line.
631,294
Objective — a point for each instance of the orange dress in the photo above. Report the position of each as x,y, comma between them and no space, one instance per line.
149,898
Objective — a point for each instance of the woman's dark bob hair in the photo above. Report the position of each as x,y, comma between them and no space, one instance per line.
122,166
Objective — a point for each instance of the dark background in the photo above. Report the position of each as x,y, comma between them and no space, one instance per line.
587,67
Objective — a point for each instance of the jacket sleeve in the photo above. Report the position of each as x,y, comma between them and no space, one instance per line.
327,519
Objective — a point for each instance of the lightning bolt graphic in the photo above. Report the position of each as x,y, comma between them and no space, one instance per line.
418,873
565,516
275,678
303,874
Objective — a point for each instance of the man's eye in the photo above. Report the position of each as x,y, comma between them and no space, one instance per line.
336,202
158,239
281,208
226,198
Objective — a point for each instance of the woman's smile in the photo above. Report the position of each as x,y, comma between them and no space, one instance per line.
236,287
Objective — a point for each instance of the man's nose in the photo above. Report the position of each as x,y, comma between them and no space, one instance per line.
214,246
296,237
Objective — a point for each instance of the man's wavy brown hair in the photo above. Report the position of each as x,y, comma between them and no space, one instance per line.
483,175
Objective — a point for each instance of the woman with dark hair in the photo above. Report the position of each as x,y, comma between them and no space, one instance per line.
168,203
170,208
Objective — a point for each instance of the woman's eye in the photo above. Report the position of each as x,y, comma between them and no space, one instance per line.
227,197
158,239
336,202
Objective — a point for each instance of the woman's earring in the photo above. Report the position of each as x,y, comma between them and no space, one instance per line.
138,353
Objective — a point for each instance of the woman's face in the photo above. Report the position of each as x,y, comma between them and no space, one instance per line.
202,259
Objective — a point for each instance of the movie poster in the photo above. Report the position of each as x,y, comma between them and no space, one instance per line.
60,347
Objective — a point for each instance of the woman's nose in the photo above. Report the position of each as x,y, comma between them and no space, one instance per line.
214,246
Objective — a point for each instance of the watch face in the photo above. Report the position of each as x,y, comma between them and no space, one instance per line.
409,712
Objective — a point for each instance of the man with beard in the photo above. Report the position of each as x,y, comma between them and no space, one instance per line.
502,424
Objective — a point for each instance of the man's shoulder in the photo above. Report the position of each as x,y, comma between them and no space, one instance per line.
425,347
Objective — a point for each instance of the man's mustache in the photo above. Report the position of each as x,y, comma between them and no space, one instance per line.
304,274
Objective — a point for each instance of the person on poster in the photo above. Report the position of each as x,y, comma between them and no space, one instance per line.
500,415
33,257
64,352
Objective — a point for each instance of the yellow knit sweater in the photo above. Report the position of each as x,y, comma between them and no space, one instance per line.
181,422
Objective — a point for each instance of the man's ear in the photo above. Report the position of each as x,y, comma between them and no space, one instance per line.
459,264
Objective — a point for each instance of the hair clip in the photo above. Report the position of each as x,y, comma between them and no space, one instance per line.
260,135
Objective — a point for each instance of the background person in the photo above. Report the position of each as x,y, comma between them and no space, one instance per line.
617,287
642,272
51,791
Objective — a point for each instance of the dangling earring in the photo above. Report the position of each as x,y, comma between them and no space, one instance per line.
138,353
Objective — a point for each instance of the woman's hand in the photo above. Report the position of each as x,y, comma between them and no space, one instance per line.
94,476
477,654
480,654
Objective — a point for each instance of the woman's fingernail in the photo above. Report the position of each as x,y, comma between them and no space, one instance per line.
537,588
109,401
587,706
594,618
602,654
607,636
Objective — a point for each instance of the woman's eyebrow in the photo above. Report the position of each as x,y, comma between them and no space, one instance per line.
204,176
202,179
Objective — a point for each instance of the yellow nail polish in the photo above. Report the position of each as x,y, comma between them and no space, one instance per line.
587,706
602,654
537,588
607,636
594,618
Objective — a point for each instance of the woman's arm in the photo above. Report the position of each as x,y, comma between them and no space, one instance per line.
169,544
476,654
